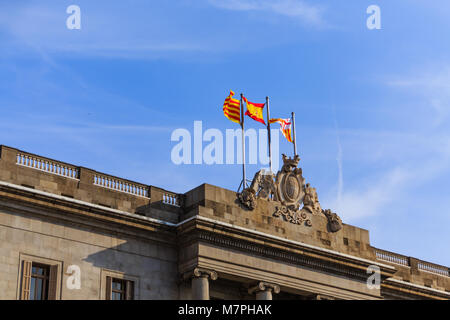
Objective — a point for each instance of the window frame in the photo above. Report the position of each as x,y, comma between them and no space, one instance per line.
107,277
55,268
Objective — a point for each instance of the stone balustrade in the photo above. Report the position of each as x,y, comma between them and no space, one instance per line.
172,199
47,165
66,170
121,185
405,261
391,257
433,268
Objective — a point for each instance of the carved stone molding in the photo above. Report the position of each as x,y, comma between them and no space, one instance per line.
279,254
264,286
292,215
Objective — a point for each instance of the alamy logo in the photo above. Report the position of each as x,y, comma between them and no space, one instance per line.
74,20
374,280
213,147
374,20
74,280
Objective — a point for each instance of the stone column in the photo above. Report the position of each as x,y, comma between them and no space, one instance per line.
264,290
200,283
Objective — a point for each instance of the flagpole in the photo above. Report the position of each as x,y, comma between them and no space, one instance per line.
268,133
244,181
293,129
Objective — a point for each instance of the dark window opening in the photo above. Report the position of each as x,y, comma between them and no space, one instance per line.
119,289
39,281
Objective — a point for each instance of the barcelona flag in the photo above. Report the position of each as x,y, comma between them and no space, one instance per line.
285,127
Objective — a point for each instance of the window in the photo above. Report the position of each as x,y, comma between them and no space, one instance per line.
39,281
119,289
117,285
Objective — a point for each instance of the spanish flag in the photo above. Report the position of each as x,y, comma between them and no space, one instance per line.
231,108
285,127
255,110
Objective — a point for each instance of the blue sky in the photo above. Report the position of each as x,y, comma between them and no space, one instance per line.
372,106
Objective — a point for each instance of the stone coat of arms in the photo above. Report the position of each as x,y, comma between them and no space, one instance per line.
289,189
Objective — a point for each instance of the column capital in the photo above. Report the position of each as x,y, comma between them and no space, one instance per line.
200,273
205,273
264,286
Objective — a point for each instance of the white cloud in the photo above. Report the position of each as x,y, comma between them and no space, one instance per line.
290,8
398,163
373,196
378,193
434,86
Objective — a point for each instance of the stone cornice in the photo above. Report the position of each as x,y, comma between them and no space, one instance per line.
203,229
414,289
65,208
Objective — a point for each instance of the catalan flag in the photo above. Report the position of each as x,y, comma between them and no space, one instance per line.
285,127
232,108
255,110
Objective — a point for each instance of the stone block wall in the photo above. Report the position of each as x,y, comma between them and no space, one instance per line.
152,265
222,205
87,185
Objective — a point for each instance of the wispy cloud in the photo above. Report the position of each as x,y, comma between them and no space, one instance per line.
338,159
299,9
398,163
378,191
147,30
104,33
372,196
433,85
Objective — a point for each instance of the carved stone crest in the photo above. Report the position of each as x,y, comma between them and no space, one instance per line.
290,186
290,182
289,189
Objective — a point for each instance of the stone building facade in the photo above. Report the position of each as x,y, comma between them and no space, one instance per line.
69,232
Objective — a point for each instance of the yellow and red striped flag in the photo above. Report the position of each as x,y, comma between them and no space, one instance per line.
255,110
232,108
285,127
